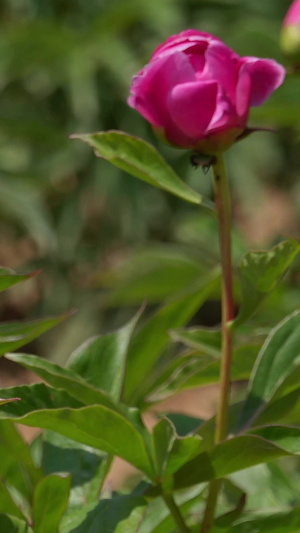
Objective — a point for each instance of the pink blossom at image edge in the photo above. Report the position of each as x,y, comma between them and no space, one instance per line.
293,14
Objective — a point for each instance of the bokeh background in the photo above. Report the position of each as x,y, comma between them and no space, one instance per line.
105,241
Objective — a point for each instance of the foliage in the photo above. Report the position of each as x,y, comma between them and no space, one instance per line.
66,69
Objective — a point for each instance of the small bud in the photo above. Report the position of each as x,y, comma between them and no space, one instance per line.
290,34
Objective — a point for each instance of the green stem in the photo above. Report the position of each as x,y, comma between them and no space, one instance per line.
175,512
222,201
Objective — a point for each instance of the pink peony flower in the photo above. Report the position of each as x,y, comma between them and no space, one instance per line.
196,92
290,33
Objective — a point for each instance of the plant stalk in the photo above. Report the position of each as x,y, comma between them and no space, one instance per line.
222,201
175,512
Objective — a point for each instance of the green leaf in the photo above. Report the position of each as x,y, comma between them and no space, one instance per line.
8,278
206,340
121,514
50,502
87,466
3,400
169,451
11,524
63,378
147,345
151,274
234,455
192,371
14,451
101,361
282,522
13,335
275,362
260,272
35,397
7,504
141,160
97,426
158,518
184,424
287,437
60,454
163,437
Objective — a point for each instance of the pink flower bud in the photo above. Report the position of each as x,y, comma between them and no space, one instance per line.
290,33
196,92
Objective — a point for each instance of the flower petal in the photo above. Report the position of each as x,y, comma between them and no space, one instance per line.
183,41
243,93
192,105
266,76
151,87
222,66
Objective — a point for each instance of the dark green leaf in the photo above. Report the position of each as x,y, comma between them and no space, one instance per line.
13,335
282,522
87,466
14,451
275,362
50,502
142,161
148,344
101,361
65,455
184,424
121,514
260,272
9,524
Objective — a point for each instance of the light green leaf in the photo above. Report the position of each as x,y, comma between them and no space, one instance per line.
101,361
233,455
148,343
193,370
206,340
141,160
63,378
170,452
276,360
151,274
13,335
260,272
7,504
50,502
163,436
97,426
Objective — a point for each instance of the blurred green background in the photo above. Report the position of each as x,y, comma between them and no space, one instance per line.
105,241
